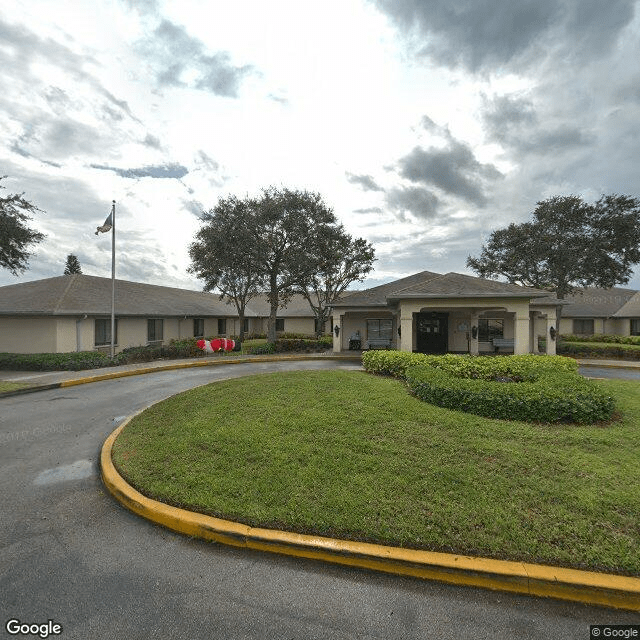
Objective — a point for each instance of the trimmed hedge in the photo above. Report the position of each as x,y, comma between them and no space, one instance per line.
302,345
557,396
621,351
524,367
185,348
73,361
291,345
602,337
259,349
527,387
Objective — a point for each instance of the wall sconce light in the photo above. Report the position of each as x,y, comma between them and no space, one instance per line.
336,330
474,332
552,333
400,332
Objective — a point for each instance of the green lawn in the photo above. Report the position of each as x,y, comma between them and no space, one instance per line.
353,456
12,386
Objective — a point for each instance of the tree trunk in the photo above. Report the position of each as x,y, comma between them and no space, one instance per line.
321,318
241,317
273,299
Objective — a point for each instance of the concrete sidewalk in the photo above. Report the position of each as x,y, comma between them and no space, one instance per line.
45,378
613,364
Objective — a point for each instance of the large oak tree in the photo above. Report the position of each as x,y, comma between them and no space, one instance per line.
223,254
281,242
341,260
567,244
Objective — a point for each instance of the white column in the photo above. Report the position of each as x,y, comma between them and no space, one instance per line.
474,348
552,321
406,331
521,332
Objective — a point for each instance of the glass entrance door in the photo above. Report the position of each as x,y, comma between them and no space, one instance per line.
432,332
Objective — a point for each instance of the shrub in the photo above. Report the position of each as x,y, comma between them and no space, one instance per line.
326,341
300,345
519,368
73,361
185,348
142,353
551,396
259,349
597,337
524,387
621,351
251,336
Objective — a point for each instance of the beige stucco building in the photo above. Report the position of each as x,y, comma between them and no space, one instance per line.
440,313
591,311
427,312
73,313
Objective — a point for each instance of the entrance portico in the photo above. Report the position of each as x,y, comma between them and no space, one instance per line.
476,316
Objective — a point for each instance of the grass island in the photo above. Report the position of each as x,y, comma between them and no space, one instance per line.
351,455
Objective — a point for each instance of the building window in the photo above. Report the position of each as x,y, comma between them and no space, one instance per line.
155,330
279,324
490,328
103,332
245,325
318,326
222,326
583,327
198,327
380,329
635,326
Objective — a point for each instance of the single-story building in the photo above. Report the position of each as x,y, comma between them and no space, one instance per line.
592,310
443,313
73,313
427,312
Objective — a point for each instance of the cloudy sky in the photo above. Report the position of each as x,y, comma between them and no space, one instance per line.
425,124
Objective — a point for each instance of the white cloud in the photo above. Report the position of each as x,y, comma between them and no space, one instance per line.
422,131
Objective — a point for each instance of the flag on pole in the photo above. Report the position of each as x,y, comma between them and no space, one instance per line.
108,223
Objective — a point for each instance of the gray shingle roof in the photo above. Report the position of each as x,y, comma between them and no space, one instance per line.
593,302
435,285
81,294
377,296
631,309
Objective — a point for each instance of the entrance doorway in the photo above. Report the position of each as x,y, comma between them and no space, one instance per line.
432,332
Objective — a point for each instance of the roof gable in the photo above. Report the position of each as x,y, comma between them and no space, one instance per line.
378,295
460,285
631,308
427,284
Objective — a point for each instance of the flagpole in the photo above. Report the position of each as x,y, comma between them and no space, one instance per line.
113,278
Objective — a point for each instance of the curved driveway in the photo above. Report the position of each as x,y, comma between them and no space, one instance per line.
70,553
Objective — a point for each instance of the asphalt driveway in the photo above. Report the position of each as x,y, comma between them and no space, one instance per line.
70,553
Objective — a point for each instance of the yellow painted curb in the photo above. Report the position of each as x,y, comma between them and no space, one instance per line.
189,365
587,587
